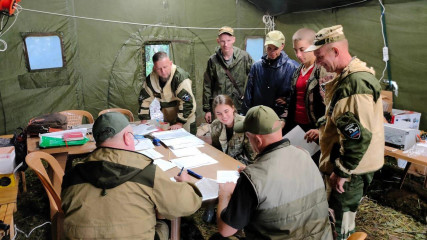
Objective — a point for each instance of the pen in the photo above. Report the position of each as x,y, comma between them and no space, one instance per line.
194,174
179,174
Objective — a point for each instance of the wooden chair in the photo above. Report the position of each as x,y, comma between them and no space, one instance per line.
75,117
56,214
126,112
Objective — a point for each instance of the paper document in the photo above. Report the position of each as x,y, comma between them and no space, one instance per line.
296,137
208,187
190,151
163,164
151,153
227,176
183,142
143,129
143,144
194,161
171,134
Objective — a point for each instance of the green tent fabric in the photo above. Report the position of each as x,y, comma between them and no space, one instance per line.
105,59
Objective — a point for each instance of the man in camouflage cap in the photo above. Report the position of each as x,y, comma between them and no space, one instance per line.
352,137
281,195
116,192
226,72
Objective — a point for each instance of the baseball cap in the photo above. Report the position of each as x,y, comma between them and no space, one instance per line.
258,120
226,29
108,125
325,36
275,37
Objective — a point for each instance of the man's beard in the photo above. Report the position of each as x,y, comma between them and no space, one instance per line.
164,79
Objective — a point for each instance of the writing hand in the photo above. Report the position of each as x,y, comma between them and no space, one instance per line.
183,178
144,121
226,189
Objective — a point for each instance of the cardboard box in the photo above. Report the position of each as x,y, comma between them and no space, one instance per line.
7,160
387,97
405,119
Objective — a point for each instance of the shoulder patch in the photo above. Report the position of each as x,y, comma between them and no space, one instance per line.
352,130
186,97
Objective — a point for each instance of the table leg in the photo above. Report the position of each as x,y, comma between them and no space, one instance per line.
405,172
176,228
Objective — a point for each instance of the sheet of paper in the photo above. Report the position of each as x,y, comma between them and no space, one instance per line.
163,164
151,153
194,161
186,151
171,134
208,187
183,142
143,144
143,129
296,137
172,179
223,176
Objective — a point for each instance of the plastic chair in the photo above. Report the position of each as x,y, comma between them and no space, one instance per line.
126,112
75,117
56,214
357,236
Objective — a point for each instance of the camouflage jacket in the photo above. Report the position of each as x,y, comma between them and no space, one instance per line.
217,82
238,147
352,139
176,97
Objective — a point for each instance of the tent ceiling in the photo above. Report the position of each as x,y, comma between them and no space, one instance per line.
278,7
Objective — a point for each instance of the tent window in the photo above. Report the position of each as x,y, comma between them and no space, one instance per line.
150,50
44,51
255,47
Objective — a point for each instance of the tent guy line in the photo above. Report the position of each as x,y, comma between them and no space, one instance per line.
133,23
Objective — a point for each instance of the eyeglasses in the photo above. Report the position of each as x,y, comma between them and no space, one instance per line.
134,138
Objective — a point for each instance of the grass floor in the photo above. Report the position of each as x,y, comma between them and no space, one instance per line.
374,218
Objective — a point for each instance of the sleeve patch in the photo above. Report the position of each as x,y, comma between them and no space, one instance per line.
186,97
352,130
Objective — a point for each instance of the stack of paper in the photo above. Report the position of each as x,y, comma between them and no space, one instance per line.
143,129
194,161
151,153
176,139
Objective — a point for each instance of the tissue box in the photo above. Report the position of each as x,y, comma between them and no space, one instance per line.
405,119
7,159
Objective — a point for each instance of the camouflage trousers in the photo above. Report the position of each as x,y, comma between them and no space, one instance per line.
345,204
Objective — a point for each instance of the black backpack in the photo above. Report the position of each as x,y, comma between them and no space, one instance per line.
19,140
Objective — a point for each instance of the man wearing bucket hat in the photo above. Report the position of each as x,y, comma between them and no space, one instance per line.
269,81
281,195
352,139
226,72
116,192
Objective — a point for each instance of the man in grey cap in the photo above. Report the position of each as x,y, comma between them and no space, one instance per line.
281,195
117,192
352,138
269,81
226,72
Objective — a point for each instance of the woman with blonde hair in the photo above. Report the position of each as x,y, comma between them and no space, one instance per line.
236,145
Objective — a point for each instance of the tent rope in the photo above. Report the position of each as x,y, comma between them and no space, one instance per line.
269,23
132,23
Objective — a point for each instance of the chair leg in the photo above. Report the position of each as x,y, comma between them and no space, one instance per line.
24,181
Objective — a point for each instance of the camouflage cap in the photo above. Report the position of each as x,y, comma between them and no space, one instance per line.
275,37
325,36
258,120
226,29
108,125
